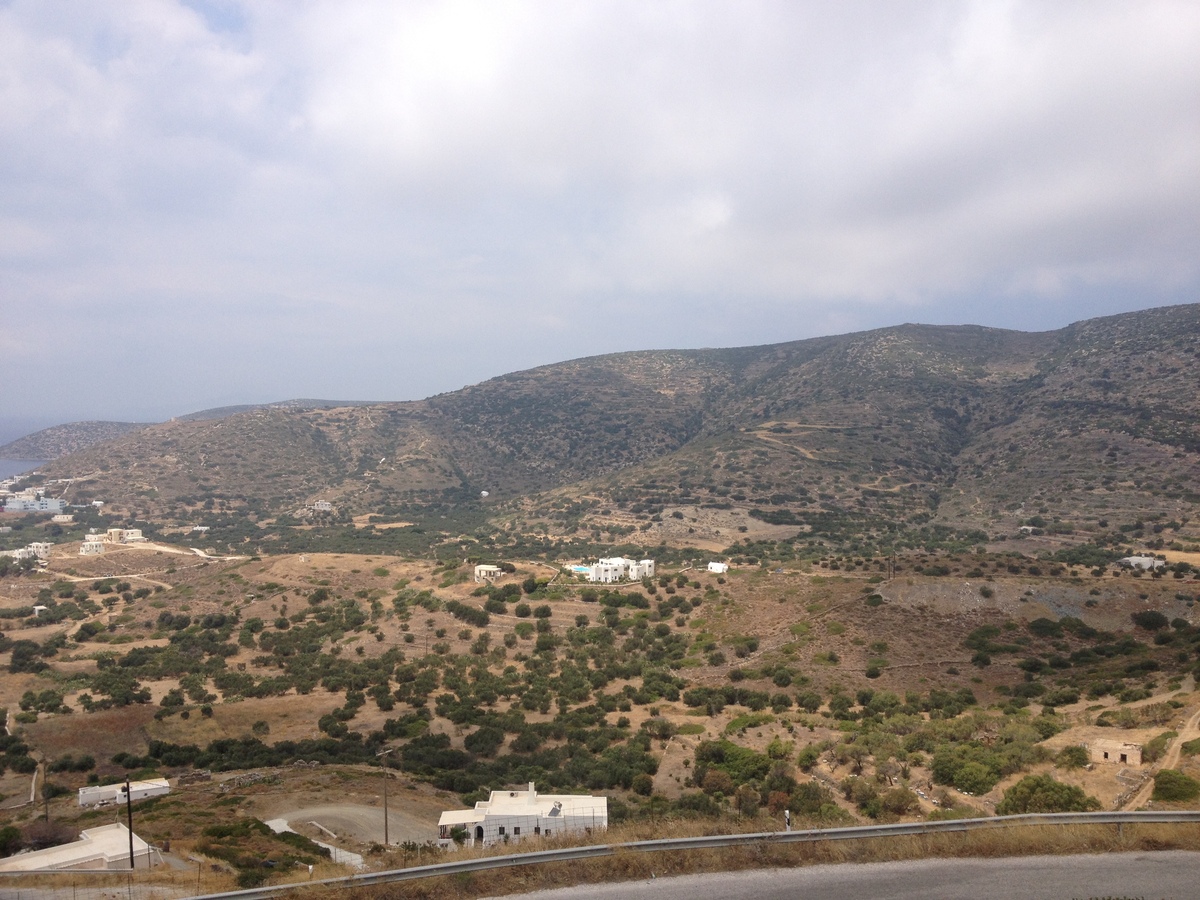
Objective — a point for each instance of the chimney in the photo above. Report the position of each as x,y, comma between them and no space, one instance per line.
532,793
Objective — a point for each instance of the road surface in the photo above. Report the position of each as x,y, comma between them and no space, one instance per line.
1171,874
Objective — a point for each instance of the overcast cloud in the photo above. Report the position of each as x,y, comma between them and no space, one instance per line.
208,203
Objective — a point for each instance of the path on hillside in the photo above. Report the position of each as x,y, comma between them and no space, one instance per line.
1189,731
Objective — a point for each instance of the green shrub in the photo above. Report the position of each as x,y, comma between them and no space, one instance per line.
1042,794
1074,757
1172,785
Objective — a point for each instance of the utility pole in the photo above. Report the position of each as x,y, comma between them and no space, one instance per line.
129,816
383,766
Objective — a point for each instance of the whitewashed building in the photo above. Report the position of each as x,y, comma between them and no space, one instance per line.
513,816
718,568
618,568
115,793
92,546
33,501
1145,563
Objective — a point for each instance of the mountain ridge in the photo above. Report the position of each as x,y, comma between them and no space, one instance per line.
912,425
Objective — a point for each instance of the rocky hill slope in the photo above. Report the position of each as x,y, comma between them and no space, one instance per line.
850,437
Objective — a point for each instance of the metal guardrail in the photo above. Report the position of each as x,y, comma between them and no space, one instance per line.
857,832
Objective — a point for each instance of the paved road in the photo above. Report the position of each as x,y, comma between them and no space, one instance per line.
1173,874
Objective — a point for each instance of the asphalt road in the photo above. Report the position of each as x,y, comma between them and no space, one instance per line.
1173,874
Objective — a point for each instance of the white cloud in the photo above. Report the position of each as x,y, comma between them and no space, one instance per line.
288,179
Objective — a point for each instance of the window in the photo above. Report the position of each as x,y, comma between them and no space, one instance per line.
500,830
537,829
516,830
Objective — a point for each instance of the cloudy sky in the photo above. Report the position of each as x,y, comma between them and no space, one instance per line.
207,203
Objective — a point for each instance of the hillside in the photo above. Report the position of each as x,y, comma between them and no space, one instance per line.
851,439
60,440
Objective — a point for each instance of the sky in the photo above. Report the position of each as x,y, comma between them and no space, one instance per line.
212,203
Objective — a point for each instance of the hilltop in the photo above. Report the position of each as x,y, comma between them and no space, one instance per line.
850,439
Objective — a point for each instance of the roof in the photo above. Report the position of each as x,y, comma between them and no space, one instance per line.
95,849
462,816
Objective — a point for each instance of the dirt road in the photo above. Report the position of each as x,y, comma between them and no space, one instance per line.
1189,731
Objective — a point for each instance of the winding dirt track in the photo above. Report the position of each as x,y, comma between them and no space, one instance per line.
1189,731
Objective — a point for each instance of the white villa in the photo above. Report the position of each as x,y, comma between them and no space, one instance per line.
520,815
618,568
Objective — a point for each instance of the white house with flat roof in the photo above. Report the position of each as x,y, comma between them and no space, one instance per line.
512,816
1145,563
104,847
719,568
115,793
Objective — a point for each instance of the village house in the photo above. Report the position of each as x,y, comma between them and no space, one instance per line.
486,573
718,568
39,550
513,816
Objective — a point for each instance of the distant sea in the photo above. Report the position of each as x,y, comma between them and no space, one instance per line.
11,467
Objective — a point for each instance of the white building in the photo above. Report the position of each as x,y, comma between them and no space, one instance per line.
322,506
92,546
104,847
718,568
618,568
33,501
522,815
487,573
41,549
115,793
63,519
1145,563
